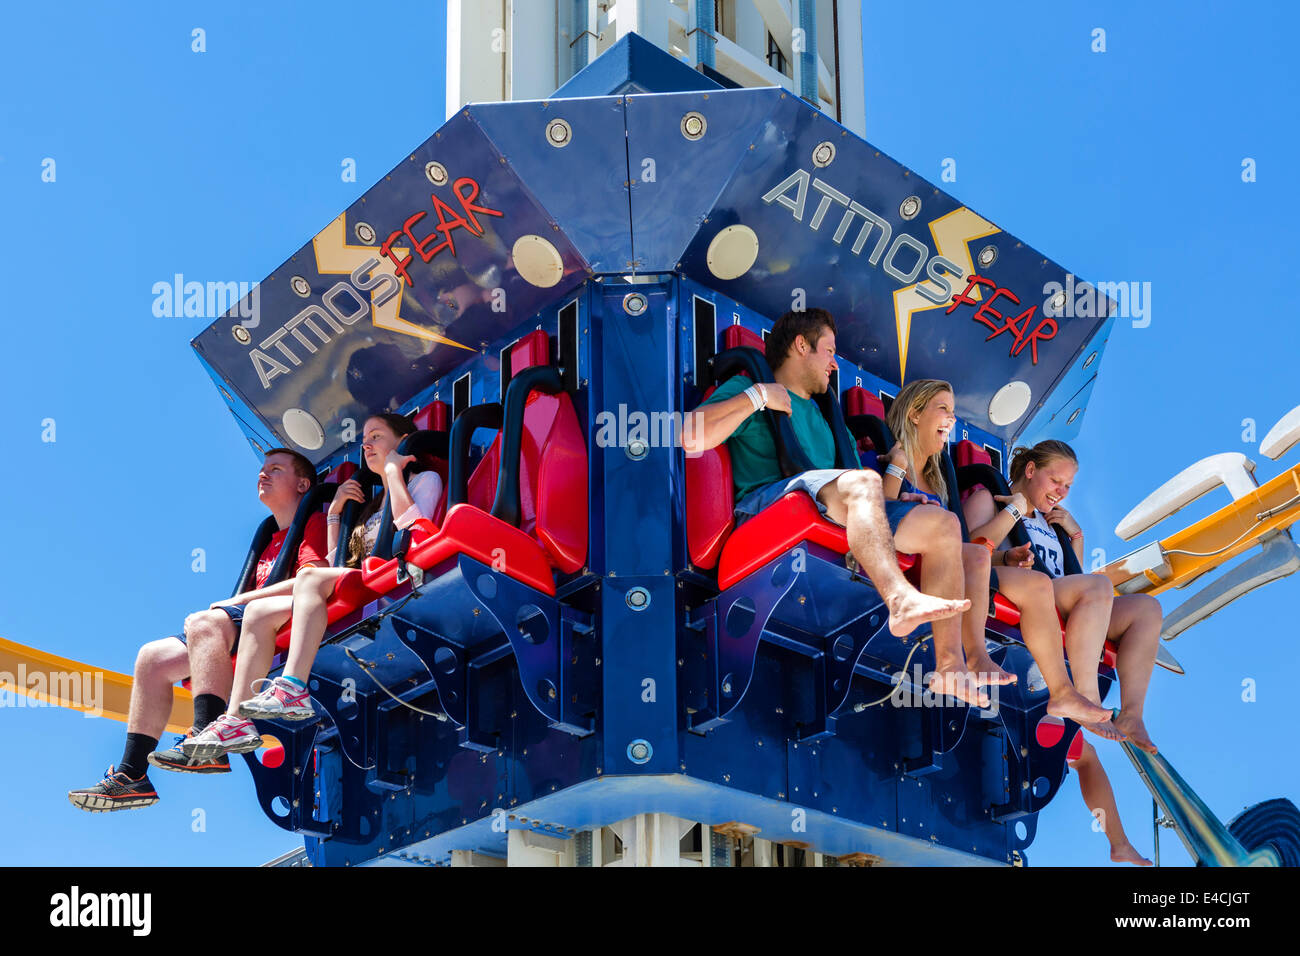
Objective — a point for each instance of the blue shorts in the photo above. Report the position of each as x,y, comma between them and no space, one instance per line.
896,511
810,481
236,614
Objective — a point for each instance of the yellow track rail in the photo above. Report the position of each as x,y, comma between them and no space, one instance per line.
1221,536
77,686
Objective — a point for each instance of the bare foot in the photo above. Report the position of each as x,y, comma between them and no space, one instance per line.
1074,706
960,684
1127,854
1105,729
988,672
909,609
1135,730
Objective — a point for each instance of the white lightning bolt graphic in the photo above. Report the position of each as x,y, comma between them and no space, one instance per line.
335,257
951,233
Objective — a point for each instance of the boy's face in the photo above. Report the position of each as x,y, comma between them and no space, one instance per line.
278,484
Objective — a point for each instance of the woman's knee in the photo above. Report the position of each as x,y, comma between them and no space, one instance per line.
937,528
1026,586
977,558
313,581
259,616
1149,610
1100,588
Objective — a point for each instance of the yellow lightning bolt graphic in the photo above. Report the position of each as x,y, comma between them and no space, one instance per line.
951,233
335,257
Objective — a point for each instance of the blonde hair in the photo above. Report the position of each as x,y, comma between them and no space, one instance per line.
913,398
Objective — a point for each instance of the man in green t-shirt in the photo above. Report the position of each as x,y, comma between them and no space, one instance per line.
801,351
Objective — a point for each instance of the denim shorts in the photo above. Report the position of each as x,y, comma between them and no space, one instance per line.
811,482
236,614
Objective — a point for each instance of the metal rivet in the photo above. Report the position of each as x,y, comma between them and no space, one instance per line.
910,207
301,286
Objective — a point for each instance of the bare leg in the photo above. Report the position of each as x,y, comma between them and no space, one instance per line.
1135,625
262,618
158,665
1098,796
976,561
855,501
210,635
1085,601
1032,593
311,593
934,534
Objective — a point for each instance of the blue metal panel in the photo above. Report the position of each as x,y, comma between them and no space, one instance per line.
335,370
688,175
582,186
635,397
634,65
1061,415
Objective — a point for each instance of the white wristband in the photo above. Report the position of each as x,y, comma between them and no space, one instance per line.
1014,511
892,469
762,390
752,394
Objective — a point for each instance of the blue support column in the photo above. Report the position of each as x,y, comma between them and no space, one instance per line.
633,398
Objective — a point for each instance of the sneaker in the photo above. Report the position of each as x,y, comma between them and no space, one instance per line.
116,791
173,758
225,735
282,700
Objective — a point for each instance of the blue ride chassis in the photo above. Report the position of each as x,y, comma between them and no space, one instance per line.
762,732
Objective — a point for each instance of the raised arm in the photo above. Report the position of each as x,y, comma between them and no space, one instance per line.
715,421
350,490
891,480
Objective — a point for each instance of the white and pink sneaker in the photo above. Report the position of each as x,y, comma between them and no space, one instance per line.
225,735
281,700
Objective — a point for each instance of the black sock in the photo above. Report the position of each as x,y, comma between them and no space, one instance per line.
207,708
135,758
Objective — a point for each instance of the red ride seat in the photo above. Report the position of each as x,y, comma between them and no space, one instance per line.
767,535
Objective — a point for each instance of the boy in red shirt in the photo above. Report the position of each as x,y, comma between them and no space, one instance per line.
203,651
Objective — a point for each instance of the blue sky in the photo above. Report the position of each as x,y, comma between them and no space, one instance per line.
1123,165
